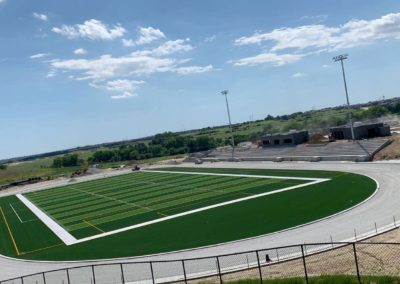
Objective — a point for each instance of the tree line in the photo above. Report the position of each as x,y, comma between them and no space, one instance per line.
68,160
166,144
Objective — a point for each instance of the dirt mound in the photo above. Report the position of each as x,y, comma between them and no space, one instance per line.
390,152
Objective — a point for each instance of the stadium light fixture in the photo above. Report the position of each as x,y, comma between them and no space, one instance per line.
225,93
341,58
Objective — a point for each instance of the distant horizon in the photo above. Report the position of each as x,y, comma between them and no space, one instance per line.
103,71
179,131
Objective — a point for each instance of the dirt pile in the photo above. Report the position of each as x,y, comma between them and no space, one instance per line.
390,152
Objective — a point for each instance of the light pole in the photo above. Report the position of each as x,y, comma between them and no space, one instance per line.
225,93
341,58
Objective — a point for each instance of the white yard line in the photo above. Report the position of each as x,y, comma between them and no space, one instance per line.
16,213
113,199
60,232
68,239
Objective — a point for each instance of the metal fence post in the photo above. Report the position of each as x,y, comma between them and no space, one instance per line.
122,274
259,267
94,277
68,276
152,272
304,263
44,278
277,255
356,260
184,271
219,271
22,280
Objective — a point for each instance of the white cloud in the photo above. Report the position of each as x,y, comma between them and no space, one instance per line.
193,69
352,33
41,17
299,37
108,66
172,46
38,55
210,38
273,58
115,70
298,75
146,36
80,51
51,73
319,38
325,66
127,87
91,29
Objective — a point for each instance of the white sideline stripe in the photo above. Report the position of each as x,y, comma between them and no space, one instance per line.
60,232
232,175
68,239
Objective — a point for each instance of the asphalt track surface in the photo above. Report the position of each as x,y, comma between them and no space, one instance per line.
379,209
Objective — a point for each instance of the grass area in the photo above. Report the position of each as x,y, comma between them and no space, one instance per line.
227,223
325,279
100,206
43,167
37,168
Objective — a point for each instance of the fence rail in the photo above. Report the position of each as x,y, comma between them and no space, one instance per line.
358,259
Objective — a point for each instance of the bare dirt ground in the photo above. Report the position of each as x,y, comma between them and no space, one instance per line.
390,152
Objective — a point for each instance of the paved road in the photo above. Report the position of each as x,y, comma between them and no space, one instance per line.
380,209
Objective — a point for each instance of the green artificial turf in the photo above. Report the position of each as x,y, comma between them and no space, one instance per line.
86,209
227,223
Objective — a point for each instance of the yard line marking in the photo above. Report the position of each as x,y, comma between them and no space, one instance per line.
9,231
40,249
113,199
60,232
16,213
233,175
162,214
90,224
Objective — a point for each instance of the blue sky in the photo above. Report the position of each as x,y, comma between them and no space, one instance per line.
78,72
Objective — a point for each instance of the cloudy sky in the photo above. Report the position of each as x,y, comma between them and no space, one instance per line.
78,72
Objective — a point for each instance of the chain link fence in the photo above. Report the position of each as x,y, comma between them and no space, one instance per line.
300,262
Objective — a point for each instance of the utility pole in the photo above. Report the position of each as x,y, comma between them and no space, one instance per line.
341,58
225,93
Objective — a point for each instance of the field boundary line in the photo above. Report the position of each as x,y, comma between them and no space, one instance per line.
60,232
9,231
234,175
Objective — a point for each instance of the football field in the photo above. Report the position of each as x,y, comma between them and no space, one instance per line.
160,210
143,198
